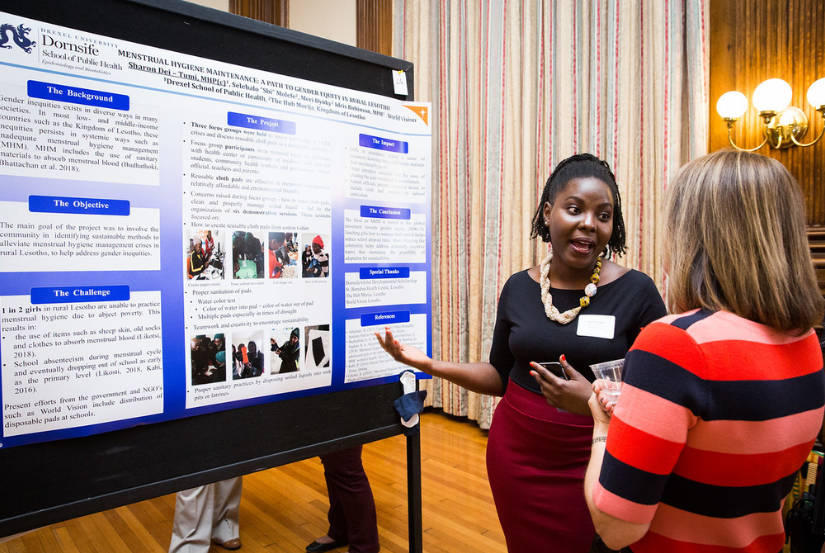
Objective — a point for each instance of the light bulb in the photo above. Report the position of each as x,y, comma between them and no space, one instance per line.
816,94
732,105
786,118
772,95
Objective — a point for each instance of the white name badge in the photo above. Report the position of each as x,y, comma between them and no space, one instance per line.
596,326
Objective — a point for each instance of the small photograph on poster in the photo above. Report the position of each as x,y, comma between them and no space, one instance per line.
285,350
247,255
283,255
208,359
205,255
248,359
318,347
315,255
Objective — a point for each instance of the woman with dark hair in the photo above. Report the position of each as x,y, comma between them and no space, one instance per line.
196,263
579,307
723,399
289,352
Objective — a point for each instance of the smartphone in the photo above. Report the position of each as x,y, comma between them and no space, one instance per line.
556,368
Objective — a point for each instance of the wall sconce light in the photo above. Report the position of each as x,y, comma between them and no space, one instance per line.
783,124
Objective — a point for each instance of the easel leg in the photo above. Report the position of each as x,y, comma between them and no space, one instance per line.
414,492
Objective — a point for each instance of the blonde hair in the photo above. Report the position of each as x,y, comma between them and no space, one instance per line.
735,229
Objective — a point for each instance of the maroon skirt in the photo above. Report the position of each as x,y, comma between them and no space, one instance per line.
536,460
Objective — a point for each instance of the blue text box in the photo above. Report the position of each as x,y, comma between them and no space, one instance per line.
380,143
384,318
75,95
88,206
77,294
380,212
367,273
260,123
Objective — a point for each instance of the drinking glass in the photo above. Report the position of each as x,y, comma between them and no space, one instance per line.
611,373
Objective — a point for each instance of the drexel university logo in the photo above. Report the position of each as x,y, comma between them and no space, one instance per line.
18,34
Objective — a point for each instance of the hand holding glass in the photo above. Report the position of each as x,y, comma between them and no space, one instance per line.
611,373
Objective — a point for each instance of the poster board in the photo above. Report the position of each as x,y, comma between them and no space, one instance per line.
157,155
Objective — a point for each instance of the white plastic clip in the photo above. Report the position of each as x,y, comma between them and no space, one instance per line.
407,379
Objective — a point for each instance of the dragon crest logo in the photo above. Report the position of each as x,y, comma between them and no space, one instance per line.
18,34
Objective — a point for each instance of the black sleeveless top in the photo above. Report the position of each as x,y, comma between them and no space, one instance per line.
523,333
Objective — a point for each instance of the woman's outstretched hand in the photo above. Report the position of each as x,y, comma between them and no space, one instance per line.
402,353
570,395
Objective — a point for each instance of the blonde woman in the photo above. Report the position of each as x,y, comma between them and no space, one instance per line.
722,399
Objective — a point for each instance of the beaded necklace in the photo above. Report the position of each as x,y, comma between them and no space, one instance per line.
549,309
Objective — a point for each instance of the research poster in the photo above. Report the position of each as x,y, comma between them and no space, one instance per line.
181,236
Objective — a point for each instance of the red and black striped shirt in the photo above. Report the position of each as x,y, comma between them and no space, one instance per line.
716,416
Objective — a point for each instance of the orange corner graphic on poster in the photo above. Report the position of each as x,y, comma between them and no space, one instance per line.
421,111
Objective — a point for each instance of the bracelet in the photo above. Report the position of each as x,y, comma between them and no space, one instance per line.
599,439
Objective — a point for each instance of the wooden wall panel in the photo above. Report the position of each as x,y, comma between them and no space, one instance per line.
270,11
373,19
762,39
816,238
374,26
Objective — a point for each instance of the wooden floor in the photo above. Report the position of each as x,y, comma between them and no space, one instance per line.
283,509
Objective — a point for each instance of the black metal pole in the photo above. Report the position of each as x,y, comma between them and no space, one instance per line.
414,492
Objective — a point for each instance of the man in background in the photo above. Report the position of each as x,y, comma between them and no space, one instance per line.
206,515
